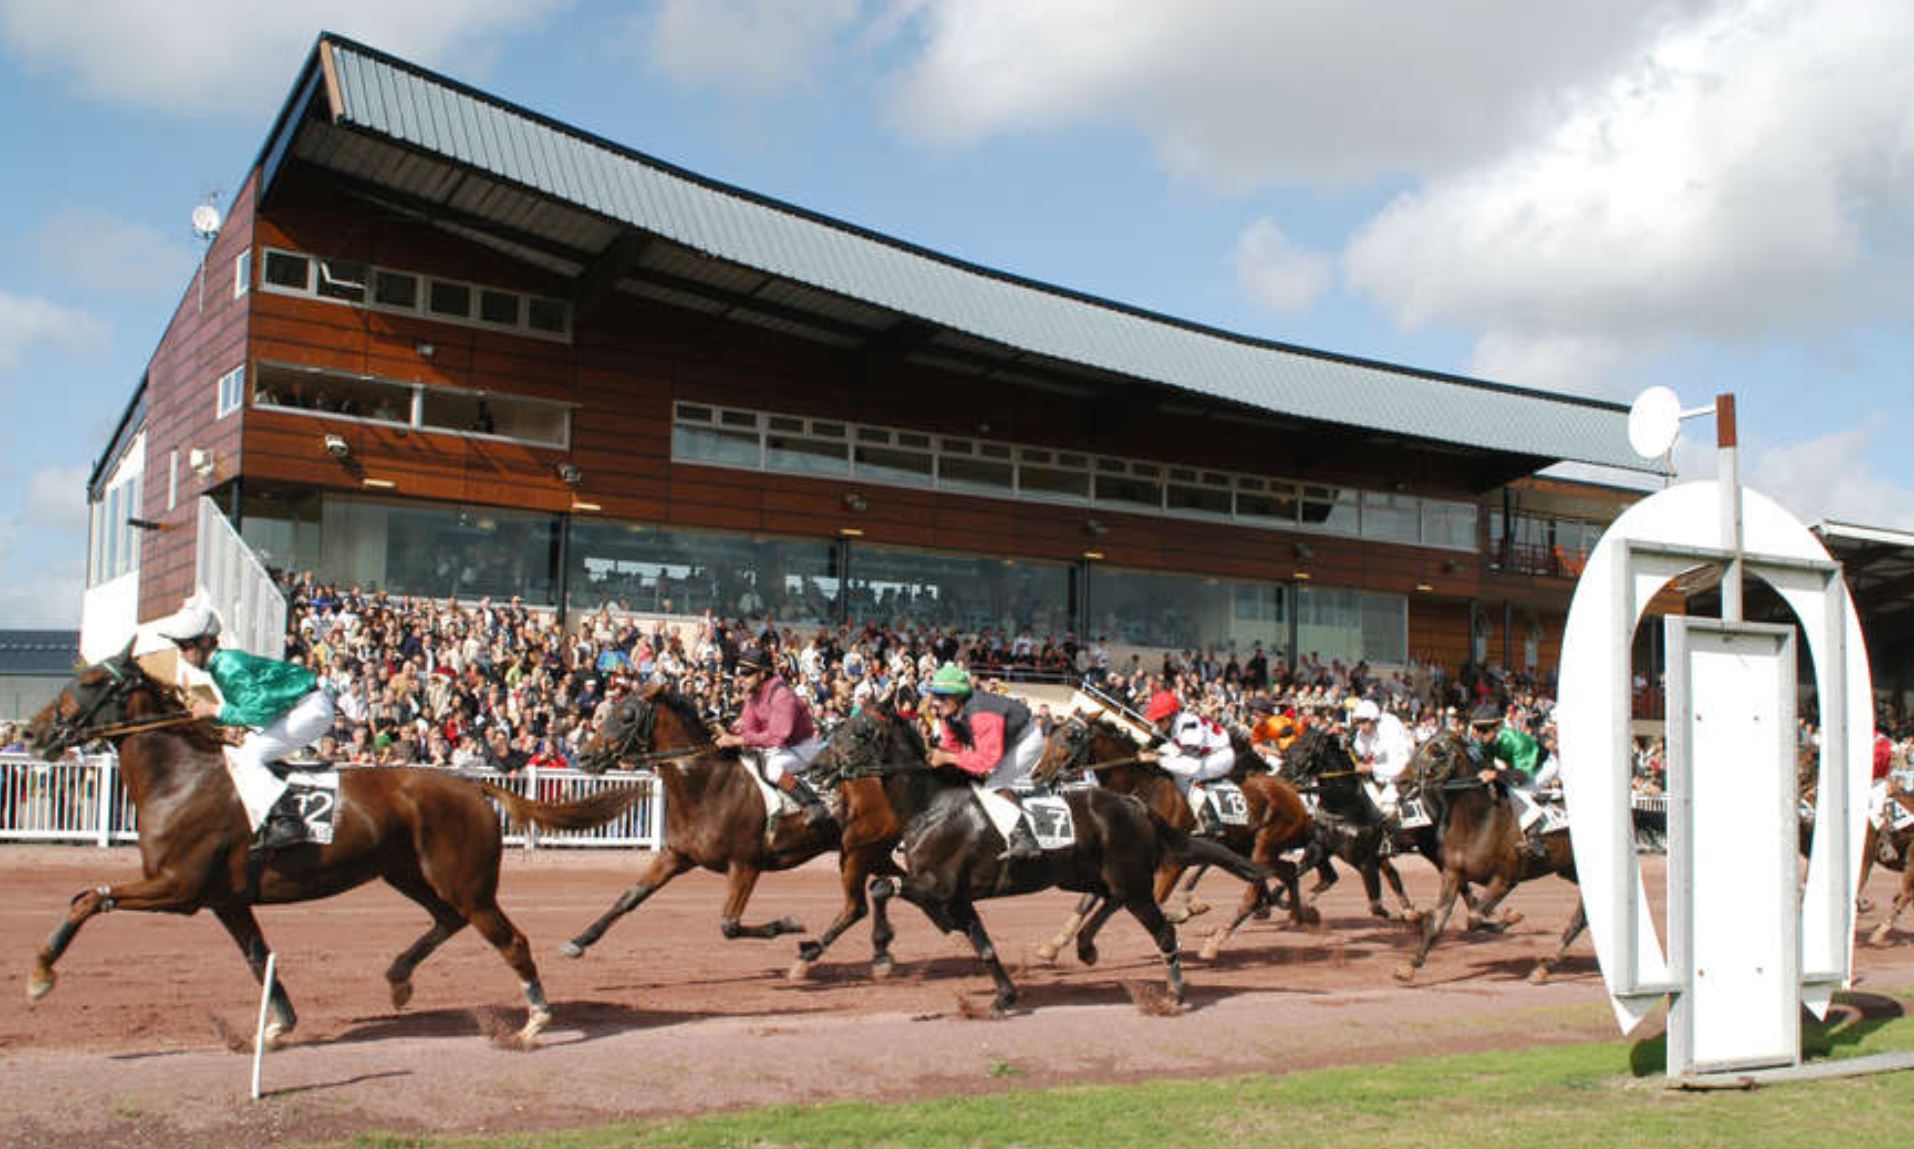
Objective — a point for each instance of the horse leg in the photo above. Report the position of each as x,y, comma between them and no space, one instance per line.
667,865
1394,878
1316,858
1432,926
965,915
1049,950
1150,916
1576,924
1166,877
446,921
852,874
1902,897
1371,872
244,930
1289,882
1481,914
743,878
495,927
163,894
1087,939
882,891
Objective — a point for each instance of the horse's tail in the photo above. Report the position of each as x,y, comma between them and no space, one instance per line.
580,814
1190,850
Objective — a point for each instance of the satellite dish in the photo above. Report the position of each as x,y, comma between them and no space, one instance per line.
205,221
1654,422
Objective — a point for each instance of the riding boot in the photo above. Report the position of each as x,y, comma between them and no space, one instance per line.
1022,845
1208,825
283,827
816,813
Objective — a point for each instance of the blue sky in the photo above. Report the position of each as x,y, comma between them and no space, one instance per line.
1711,195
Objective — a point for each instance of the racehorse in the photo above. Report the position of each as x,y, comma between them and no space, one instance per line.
1480,840
1347,824
428,834
1277,821
951,853
714,812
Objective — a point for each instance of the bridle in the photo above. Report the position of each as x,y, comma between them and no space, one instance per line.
640,729
74,731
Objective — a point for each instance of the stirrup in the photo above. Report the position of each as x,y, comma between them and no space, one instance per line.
1020,846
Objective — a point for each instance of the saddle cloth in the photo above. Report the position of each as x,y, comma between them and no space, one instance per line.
1227,802
1050,820
1554,818
315,799
777,803
1411,814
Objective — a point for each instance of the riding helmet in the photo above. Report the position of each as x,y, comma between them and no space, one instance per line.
1162,705
1487,714
951,680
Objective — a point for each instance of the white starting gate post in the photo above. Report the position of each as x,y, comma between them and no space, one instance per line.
1749,944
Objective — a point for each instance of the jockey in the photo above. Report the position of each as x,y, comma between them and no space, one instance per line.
994,739
776,730
280,701
1195,751
1382,747
1506,755
1271,733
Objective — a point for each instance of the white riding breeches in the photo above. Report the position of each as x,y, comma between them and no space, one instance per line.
1384,795
775,762
1186,768
249,762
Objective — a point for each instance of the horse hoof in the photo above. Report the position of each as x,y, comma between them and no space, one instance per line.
1310,916
274,1037
1198,907
572,950
1210,949
1378,910
1405,972
809,951
527,1038
39,985
401,993
1047,953
1538,975
800,971
1877,939
882,968
1177,915
1087,955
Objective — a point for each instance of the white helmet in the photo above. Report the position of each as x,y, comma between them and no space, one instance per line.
1366,711
196,619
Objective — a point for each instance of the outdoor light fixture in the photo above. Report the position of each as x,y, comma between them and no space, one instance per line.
570,475
1304,550
855,503
337,447
1095,528
201,461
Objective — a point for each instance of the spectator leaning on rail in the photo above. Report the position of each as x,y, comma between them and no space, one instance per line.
776,729
1382,746
280,701
994,739
1195,751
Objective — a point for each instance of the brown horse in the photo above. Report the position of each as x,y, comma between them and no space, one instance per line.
1480,840
428,834
714,813
1278,821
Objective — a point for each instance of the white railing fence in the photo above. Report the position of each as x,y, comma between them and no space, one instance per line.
80,800
239,587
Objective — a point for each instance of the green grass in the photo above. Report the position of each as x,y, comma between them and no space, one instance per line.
1562,1097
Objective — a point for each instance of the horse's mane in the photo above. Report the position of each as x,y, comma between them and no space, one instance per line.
872,742
686,711
1303,759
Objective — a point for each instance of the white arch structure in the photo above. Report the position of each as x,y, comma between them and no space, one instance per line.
1674,531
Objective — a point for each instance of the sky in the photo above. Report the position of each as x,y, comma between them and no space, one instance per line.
1708,195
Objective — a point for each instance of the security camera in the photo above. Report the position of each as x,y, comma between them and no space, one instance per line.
337,447
570,475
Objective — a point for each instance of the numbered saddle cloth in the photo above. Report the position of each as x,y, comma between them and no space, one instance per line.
314,798
1050,820
1413,814
1554,817
1227,802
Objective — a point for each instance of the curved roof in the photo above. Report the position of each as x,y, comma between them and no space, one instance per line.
557,190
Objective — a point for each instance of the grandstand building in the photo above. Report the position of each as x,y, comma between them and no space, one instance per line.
447,346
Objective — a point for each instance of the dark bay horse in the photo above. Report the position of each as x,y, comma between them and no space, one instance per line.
1480,840
1278,821
428,834
951,861
714,813
1347,824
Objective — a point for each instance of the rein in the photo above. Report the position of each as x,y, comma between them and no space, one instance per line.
121,729
668,753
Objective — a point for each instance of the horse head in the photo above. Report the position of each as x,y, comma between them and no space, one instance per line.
101,698
873,741
1078,744
650,723
1316,753
1442,759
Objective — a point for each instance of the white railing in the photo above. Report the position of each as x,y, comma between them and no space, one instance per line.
238,586
81,800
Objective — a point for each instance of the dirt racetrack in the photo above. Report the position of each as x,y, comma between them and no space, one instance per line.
666,1017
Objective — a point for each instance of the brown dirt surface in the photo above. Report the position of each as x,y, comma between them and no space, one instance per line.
665,1017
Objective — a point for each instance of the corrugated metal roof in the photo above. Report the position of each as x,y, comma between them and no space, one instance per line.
39,652
403,103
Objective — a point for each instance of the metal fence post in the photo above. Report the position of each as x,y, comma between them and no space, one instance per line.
109,779
531,794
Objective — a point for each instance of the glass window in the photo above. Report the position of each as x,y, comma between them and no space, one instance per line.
451,299
886,465
982,475
232,391
905,586
493,414
1276,504
343,279
694,413
1052,483
1446,524
1352,625
1331,507
354,395
1187,612
1202,500
499,307
630,566
395,289
1136,490
549,315
803,456
283,269
242,273
713,446
1391,518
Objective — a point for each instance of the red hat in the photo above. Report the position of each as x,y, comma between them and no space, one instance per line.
1162,705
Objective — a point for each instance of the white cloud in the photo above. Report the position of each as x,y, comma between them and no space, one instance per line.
1253,92
1577,364
1279,274
101,253
56,498
43,551
1827,477
26,322
751,47
235,57
1743,180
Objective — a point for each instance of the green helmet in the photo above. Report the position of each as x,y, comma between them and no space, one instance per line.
950,679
